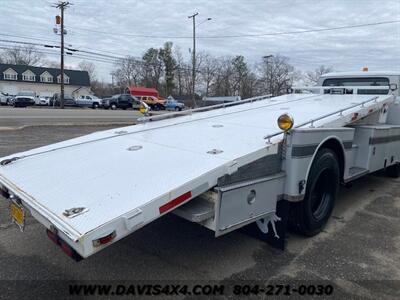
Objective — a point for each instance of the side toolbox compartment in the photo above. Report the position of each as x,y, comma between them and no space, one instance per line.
378,146
233,206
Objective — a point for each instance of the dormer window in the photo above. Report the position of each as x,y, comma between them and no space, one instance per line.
46,77
28,75
10,74
66,79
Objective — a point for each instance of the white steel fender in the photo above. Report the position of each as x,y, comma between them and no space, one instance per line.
302,146
342,149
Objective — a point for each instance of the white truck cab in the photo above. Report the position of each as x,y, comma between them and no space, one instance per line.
364,78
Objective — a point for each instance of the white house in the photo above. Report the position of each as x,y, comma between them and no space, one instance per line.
43,81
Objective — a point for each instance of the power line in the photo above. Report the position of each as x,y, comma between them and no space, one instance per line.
68,49
241,35
29,37
56,42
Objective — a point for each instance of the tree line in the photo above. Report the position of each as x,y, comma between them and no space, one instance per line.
170,73
166,70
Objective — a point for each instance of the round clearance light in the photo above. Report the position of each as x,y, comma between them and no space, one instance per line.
285,122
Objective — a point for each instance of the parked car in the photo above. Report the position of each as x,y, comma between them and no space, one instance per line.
42,101
3,98
88,101
123,101
172,104
153,102
25,98
68,100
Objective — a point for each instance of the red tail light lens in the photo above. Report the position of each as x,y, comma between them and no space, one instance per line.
105,239
67,249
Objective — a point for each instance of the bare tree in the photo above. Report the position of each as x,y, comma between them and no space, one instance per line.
208,71
51,64
90,68
276,75
128,72
179,69
23,55
312,77
222,85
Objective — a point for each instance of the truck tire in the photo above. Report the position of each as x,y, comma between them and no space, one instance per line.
309,216
95,105
113,106
393,171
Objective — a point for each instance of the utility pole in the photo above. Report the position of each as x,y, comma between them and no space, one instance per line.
194,58
62,5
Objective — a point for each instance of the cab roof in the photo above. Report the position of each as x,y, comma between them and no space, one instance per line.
361,74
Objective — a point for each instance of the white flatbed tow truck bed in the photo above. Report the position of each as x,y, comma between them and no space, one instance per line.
116,181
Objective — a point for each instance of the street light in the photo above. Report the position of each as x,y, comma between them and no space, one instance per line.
194,54
208,19
266,58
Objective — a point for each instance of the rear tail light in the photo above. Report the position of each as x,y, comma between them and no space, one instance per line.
67,249
105,239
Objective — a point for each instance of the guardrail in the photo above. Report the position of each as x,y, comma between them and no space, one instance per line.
200,109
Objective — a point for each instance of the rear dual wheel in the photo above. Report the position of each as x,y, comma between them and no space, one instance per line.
309,216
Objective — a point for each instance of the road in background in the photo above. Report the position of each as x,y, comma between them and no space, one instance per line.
11,117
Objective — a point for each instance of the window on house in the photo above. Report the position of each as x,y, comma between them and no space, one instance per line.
28,77
66,79
9,76
46,79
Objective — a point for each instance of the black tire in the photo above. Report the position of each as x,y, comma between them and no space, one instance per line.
309,216
177,109
95,105
113,106
393,171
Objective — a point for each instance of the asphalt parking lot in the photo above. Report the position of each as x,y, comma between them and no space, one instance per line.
358,252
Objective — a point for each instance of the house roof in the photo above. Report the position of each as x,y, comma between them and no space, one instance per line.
80,78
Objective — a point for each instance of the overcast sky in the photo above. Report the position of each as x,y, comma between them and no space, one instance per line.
124,22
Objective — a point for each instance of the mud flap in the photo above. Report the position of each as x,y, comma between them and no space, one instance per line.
275,234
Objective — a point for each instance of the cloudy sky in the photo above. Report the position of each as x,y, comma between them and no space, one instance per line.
129,27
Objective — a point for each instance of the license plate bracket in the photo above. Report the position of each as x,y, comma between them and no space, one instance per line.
17,213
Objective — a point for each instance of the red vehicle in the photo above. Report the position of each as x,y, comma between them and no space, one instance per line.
148,95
